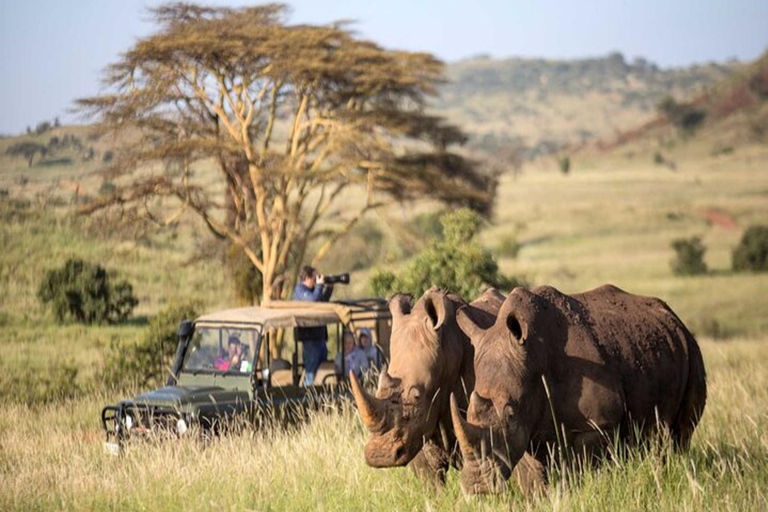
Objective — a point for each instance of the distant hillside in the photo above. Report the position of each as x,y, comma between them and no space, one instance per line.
730,111
544,104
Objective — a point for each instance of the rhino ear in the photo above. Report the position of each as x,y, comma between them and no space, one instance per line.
466,324
436,306
519,329
492,295
515,313
400,305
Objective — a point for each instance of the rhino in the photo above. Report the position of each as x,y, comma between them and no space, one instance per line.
576,371
430,359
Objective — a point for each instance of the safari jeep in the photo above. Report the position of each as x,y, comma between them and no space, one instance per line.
205,390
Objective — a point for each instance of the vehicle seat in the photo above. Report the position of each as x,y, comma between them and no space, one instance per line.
281,373
326,368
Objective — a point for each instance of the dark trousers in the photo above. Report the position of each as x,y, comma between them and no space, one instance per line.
315,352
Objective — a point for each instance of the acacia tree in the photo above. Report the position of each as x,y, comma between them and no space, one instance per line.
27,150
293,116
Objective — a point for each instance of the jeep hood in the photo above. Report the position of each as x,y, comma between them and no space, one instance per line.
180,396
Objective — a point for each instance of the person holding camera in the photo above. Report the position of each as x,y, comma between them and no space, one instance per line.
312,288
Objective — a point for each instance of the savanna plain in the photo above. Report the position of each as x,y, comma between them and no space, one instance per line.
610,219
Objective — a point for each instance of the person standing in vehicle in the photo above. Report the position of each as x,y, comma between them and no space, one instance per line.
311,288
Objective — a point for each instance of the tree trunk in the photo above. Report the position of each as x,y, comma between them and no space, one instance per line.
267,279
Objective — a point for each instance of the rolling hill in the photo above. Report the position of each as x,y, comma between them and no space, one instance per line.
542,105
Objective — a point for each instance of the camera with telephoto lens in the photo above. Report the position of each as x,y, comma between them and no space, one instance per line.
337,278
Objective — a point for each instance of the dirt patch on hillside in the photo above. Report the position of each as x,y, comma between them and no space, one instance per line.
720,218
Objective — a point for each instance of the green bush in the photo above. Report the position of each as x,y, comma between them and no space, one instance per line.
752,251
82,292
683,115
565,165
147,362
428,225
54,383
508,247
455,262
107,188
711,328
689,257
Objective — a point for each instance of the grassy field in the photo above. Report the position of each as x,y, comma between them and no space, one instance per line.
612,219
50,458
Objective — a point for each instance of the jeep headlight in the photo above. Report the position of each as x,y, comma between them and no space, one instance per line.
181,426
128,421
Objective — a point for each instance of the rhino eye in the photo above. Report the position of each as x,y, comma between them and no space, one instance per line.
414,395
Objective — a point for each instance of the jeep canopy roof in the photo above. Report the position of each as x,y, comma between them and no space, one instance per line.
287,314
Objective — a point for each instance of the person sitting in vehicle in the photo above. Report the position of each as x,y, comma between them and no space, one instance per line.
367,347
354,357
237,359
234,359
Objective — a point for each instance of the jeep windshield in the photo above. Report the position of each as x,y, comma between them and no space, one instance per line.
226,350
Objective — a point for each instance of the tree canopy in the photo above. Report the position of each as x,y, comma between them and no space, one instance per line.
26,149
294,117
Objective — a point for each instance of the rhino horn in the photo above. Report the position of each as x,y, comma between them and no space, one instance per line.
479,407
372,410
471,438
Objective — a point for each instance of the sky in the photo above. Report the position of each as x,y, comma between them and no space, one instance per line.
54,51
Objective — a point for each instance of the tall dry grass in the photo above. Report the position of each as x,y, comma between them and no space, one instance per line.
51,459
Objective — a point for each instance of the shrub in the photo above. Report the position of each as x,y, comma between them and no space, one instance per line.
565,165
428,225
508,247
752,251
455,262
711,328
43,127
691,119
683,115
689,257
107,188
50,384
383,282
82,291
721,150
146,362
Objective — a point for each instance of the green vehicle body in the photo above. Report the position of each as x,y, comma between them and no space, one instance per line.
207,397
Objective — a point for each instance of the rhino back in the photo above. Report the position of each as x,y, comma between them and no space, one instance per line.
645,342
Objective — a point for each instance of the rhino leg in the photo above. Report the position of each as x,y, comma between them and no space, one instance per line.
530,474
431,464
